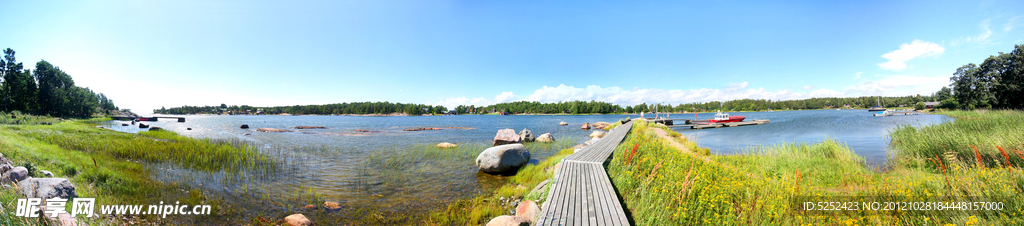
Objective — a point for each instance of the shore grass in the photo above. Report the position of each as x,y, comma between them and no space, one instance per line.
661,185
482,208
109,165
986,130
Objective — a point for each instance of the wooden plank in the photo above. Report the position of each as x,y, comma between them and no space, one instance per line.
616,206
591,215
603,200
576,201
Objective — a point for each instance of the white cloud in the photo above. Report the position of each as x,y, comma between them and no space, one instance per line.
479,101
1011,23
886,85
908,51
986,33
857,76
624,97
736,86
899,85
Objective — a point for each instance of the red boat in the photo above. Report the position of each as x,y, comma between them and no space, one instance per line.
723,118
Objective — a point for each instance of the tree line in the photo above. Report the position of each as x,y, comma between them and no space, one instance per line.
47,90
998,82
325,109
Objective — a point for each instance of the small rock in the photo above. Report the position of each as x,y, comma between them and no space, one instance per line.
297,220
546,137
244,126
506,220
563,123
272,130
47,188
309,207
526,135
99,127
156,128
124,124
585,126
506,136
529,210
46,173
447,145
189,128
143,125
331,207
503,158
5,167
597,134
539,189
14,175
421,129
310,127
247,134
65,219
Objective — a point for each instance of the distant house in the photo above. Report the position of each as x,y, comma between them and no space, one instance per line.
930,105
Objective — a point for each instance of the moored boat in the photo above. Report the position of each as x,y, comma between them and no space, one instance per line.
724,117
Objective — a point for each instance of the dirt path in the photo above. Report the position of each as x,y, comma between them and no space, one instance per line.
672,141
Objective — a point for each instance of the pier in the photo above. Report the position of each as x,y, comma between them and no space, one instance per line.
891,113
581,193
702,124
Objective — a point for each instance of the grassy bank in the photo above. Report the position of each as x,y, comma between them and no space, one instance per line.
984,130
109,165
662,185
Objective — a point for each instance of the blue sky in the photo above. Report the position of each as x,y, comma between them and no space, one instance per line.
149,54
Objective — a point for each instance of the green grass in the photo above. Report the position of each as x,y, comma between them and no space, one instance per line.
482,208
107,165
984,129
664,186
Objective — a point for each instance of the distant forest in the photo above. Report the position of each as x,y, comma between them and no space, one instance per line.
998,82
46,91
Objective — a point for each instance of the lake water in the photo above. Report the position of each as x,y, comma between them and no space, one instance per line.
864,133
384,170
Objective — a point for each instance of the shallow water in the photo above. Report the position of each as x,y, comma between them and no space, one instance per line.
386,170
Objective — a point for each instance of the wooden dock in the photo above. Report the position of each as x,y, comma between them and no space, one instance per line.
891,113
581,193
702,124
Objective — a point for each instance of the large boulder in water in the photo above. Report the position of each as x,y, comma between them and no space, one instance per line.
585,126
547,137
297,220
526,135
506,136
563,123
447,145
48,188
244,126
503,158
273,130
599,125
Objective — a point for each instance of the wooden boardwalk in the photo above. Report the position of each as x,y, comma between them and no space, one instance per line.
581,193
